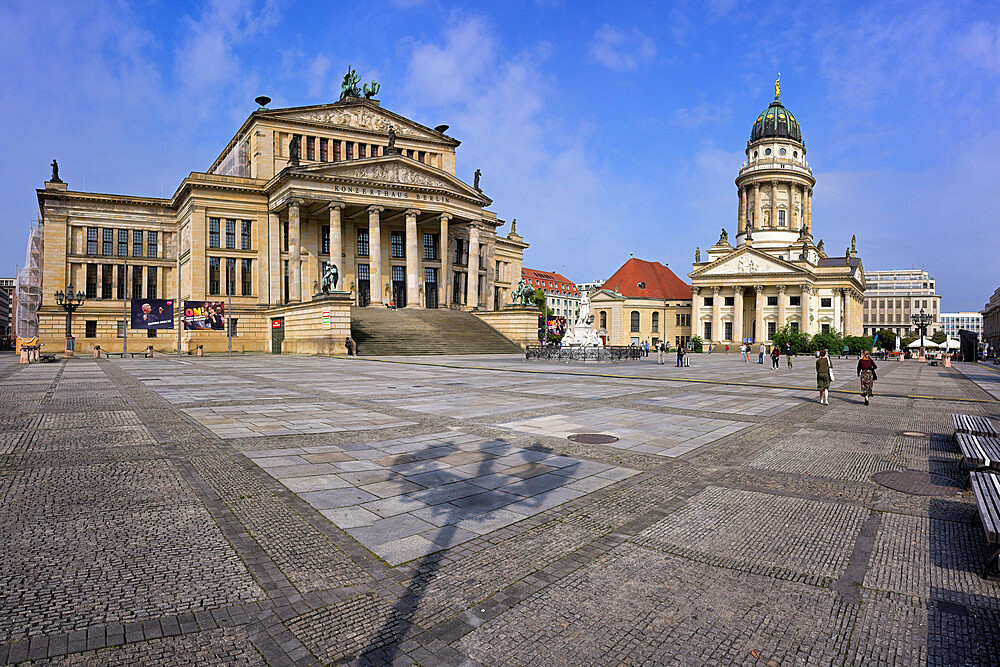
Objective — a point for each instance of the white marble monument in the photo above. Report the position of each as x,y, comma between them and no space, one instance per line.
582,333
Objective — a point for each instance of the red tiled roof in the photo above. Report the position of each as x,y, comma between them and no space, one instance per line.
661,283
541,278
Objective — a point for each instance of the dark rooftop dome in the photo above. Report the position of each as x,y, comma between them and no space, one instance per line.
776,121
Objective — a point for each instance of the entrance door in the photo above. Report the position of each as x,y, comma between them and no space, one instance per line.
277,334
431,287
364,285
399,286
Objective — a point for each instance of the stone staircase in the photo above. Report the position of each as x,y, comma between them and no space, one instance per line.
380,331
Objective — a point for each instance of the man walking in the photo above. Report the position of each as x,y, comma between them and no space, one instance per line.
760,357
659,352
788,355
680,356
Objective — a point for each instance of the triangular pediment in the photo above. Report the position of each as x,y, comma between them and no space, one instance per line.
393,170
746,261
359,114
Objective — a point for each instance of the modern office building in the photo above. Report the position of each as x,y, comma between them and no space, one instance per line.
952,323
585,288
561,294
7,286
893,296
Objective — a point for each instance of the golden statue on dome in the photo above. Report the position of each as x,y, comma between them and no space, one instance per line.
777,86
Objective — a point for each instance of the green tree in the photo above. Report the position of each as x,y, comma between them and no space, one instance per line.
909,339
801,342
858,343
539,300
830,340
886,339
939,336
696,343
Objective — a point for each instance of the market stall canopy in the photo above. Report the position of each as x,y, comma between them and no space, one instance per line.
927,343
951,343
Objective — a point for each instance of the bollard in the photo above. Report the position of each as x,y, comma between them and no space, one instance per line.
97,352
200,352
24,355
149,351
33,355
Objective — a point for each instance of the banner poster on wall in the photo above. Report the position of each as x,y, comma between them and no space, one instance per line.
152,314
205,315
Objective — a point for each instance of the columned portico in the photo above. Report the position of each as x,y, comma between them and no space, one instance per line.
375,253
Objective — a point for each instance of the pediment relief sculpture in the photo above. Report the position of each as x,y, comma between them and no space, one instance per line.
360,117
393,173
748,263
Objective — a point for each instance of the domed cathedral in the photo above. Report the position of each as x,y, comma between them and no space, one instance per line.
774,275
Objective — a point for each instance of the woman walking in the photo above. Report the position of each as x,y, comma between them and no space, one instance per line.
824,368
866,371
775,353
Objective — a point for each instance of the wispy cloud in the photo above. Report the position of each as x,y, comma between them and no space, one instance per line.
621,50
705,113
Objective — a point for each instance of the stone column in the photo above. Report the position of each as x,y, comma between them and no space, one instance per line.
472,298
716,316
837,310
337,241
800,217
444,279
781,307
761,333
743,210
804,305
774,204
738,314
809,211
294,250
274,267
491,278
696,311
375,253
756,224
413,276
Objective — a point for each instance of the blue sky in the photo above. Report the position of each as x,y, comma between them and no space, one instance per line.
604,128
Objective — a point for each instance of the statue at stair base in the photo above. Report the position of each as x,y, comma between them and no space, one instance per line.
582,333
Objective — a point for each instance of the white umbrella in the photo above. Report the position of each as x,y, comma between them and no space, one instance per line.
951,343
927,343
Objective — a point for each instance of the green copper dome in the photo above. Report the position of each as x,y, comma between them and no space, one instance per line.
776,121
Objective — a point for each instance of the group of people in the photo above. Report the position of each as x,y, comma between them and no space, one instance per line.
865,371
746,349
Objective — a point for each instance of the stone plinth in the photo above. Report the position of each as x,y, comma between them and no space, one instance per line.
518,323
304,332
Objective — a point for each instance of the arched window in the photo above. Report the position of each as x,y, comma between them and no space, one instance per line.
635,321
656,322
604,319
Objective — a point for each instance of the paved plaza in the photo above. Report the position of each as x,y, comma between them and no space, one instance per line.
261,510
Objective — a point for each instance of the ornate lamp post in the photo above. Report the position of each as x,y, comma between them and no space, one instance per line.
922,320
69,302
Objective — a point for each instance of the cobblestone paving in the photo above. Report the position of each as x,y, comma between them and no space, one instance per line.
432,511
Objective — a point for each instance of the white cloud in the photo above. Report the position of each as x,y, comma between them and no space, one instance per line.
620,50
704,113
451,69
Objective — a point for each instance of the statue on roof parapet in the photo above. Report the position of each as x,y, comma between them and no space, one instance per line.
55,172
697,255
371,92
475,180
349,86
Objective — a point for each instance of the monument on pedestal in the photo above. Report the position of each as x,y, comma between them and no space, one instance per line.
582,333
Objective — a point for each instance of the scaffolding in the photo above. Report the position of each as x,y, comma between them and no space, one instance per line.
29,285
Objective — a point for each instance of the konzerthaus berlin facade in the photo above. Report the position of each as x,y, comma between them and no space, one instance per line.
295,189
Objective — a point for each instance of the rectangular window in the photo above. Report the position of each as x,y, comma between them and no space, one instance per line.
230,234
213,232
324,239
398,241
90,329
120,288
213,275
772,301
230,275
362,243
772,327
374,150
107,241
152,241
324,152
826,328
825,302
430,276
245,226
708,331
728,327
246,276
136,282
362,150
286,281
728,301
349,152
794,301
310,148
461,251
284,236
336,150
137,242
297,138
123,243
794,326
431,249
92,281
233,324
91,240
781,218
420,156
106,274
709,300
151,282
150,333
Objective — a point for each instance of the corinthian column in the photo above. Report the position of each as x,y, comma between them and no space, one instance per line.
809,212
781,307
444,280
716,317
695,311
375,253
337,239
294,252
743,210
804,305
760,334
756,222
412,261
738,314
472,298
774,204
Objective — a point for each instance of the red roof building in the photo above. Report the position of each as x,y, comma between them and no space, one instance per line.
640,279
561,294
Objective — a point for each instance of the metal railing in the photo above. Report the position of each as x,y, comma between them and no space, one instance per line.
608,353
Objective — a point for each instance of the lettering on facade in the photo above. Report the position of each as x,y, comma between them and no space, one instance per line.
390,194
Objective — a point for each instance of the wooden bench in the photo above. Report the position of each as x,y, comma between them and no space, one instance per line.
121,355
982,452
974,425
986,486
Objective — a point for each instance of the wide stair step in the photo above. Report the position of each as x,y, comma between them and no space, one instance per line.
379,331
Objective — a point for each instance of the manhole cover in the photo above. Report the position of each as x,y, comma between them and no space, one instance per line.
916,482
914,434
593,438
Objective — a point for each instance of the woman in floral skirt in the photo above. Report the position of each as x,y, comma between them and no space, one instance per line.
866,371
